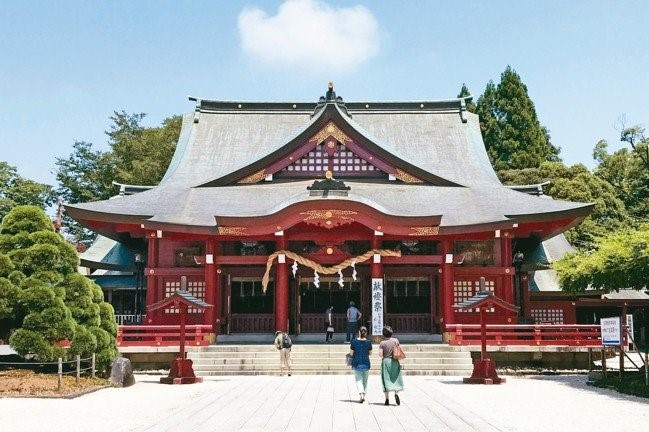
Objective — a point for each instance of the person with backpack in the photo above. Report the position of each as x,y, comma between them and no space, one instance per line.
283,343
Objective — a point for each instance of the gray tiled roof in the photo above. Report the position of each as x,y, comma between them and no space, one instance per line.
220,138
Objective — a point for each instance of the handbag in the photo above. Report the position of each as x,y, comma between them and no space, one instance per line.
397,353
348,359
330,329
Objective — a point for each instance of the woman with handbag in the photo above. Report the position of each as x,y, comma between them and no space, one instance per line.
360,349
390,351
329,325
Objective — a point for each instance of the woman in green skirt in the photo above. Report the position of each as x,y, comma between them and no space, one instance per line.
390,367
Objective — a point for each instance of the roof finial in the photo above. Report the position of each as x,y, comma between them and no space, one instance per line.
331,94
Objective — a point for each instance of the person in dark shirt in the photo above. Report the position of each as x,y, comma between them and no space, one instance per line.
360,350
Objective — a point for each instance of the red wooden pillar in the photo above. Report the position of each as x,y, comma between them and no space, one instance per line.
210,284
281,290
507,263
448,316
151,278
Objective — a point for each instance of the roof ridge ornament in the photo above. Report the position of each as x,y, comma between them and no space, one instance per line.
330,97
322,187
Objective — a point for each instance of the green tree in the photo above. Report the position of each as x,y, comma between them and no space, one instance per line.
54,302
620,261
627,170
577,183
513,135
138,155
142,154
464,92
16,190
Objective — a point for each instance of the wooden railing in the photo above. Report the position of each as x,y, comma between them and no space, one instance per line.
162,335
252,323
409,323
526,334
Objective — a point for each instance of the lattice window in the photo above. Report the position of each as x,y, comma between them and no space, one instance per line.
547,316
340,160
465,289
195,288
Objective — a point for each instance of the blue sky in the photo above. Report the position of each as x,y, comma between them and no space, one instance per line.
67,65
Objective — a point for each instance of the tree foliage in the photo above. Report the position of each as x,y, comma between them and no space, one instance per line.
44,297
627,170
620,261
139,155
577,183
513,135
16,190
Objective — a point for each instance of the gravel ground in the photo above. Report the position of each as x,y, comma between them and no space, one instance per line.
535,403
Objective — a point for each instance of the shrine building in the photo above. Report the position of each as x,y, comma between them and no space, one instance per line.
274,211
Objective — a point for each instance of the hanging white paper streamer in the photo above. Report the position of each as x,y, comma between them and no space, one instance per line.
316,279
294,267
340,280
354,272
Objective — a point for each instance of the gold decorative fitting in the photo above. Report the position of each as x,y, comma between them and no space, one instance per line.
329,214
421,106
256,177
330,251
278,228
330,130
367,105
237,231
331,144
406,178
239,106
424,231
329,175
378,227
294,106
328,222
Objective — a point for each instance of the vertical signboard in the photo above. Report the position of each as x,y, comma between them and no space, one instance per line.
629,326
610,331
377,307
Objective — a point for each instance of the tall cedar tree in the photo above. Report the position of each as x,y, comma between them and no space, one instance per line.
513,136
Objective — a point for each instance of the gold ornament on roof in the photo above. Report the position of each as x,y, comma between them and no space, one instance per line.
330,130
406,178
424,231
256,177
237,231
329,214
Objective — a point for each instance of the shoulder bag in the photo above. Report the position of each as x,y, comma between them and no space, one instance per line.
397,353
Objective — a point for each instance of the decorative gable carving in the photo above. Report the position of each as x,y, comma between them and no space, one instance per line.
330,130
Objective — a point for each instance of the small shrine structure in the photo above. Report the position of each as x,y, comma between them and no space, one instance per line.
484,370
181,371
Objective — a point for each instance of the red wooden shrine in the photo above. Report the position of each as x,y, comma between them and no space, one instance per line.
330,182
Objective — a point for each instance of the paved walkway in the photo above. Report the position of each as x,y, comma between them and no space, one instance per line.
330,403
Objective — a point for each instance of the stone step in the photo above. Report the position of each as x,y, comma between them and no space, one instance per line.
316,359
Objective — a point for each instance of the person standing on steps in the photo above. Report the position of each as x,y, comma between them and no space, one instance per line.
360,350
353,316
390,368
283,343
329,324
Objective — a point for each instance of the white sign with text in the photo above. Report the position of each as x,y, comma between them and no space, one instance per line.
377,307
610,331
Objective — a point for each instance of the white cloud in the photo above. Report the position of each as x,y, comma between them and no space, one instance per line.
310,34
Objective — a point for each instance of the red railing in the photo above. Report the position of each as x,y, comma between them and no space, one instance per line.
526,334
162,335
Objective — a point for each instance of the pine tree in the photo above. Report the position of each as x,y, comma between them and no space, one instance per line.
512,133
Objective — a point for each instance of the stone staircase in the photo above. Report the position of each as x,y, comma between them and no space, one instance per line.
323,359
